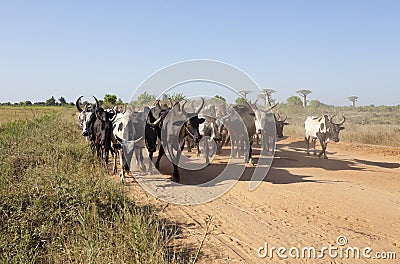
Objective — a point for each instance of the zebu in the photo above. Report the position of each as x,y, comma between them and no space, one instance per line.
324,129
178,124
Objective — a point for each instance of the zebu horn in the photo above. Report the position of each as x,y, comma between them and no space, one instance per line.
331,119
201,106
77,104
97,101
271,107
183,109
341,123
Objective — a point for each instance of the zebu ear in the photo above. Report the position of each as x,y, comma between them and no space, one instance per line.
201,120
341,128
286,123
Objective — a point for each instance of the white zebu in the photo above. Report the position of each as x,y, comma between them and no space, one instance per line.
129,131
324,129
126,129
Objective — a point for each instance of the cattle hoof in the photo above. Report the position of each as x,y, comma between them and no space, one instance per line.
325,157
175,178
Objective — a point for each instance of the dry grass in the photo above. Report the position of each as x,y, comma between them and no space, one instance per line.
13,113
58,204
366,125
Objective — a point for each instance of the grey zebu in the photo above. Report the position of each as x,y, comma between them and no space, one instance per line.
242,142
324,129
262,117
267,135
176,125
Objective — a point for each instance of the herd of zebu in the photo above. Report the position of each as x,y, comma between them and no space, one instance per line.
126,133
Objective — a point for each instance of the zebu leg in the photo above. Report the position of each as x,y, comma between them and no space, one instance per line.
198,149
175,175
307,140
323,145
122,164
115,160
189,144
151,162
160,154
314,141
139,153
206,151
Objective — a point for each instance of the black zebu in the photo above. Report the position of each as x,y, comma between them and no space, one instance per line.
102,132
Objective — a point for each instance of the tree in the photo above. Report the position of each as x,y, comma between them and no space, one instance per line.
217,99
62,101
241,101
110,99
220,97
353,99
51,101
27,103
316,104
245,93
294,101
304,93
119,101
176,97
145,98
267,96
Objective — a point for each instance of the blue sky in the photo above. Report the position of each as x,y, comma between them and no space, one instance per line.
71,48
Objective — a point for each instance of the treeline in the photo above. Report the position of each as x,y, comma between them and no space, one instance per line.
49,102
109,99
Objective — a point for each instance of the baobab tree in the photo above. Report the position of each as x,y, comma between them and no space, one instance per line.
267,96
304,93
353,99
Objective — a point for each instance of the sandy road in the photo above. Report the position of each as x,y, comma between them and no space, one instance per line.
303,202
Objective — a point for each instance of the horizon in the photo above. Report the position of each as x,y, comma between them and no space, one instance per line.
335,49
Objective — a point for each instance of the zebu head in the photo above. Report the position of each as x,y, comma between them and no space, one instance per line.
85,115
105,123
193,121
211,128
334,128
279,125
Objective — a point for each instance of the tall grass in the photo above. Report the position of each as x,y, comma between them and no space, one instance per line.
57,204
13,113
365,124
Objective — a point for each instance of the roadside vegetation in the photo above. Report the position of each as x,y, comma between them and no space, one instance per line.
58,204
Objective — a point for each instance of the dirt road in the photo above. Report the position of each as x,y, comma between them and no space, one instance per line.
303,202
